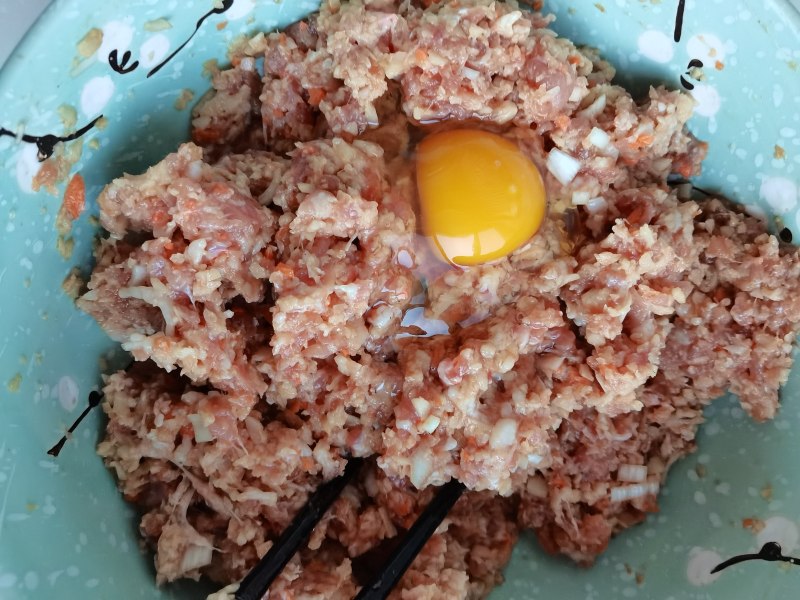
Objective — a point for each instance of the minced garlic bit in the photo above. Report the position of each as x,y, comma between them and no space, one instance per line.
65,246
73,284
157,25
68,116
183,100
14,383
89,43
210,67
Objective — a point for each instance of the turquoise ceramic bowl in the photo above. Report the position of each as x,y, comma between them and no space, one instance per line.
65,532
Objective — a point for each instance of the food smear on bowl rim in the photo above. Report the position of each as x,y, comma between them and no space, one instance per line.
263,275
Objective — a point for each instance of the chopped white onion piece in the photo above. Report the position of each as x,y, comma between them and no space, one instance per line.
470,74
260,496
549,363
347,366
633,473
505,24
372,115
138,275
576,94
195,250
595,205
605,162
503,433
505,112
196,557
226,593
201,432
347,291
595,108
599,138
195,169
430,424
420,468
631,492
437,60
661,164
580,198
255,429
563,166
421,406
404,259
395,64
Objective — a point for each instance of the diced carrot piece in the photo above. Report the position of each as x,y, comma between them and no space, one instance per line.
642,141
402,505
160,218
646,139
574,59
75,197
208,135
420,54
637,216
562,121
315,96
683,168
284,270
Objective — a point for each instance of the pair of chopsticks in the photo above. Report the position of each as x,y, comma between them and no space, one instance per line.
257,582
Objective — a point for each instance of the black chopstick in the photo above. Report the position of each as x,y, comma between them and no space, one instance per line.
413,541
258,580
94,400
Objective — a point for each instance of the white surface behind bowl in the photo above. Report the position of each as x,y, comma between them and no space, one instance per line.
16,17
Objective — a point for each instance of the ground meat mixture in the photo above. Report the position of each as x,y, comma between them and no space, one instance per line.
263,277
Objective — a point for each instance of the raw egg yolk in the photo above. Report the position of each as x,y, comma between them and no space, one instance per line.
480,197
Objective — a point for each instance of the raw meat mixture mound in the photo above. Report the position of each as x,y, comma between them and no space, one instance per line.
263,274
